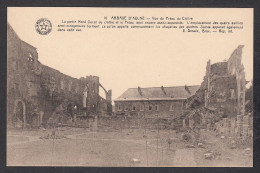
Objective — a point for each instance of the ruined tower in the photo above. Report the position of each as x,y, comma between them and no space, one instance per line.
92,94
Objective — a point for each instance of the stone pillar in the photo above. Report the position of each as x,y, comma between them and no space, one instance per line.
245,125
24,121
84,99
109,95
95,124
75,113
239,128
206,98
233,126
184,123
41,117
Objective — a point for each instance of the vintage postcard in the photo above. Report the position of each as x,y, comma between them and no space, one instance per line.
130,87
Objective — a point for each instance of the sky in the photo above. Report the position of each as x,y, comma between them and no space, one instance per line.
128,58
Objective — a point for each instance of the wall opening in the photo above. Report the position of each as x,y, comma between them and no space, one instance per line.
19,113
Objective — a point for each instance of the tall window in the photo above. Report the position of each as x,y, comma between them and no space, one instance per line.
77,88
69,86
150,108
133,108
62,84
94,87
157,107
119,108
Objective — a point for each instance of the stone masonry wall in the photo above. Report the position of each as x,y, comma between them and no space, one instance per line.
34,89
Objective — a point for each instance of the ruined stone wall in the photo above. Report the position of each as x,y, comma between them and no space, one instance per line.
23,72
241,126
41,89
134,122
223,95
236,68
59,89
219,69
38,87
92,100
234,62
222,90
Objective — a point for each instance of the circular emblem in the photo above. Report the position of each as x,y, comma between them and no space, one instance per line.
43,26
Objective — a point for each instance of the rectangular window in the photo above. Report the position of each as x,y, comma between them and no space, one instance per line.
76,88
62,83
126,108
157,107
69,86
171,108
119,108
141,107
133,108
150,107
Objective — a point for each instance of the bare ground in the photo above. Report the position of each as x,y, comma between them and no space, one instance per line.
118,148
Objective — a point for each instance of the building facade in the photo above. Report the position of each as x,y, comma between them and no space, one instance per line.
166,102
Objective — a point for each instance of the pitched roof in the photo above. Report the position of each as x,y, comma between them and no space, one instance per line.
157,93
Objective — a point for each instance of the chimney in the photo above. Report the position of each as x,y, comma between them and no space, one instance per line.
163,90
187,89
140,91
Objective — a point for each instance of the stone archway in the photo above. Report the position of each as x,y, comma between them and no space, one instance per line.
17,101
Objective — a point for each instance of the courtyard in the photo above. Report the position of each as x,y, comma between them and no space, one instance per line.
70,146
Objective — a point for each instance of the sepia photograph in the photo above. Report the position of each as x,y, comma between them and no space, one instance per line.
129,87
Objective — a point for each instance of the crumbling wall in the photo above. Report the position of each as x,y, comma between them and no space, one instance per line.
235,67
43,89
240,127
219,69
134,122
92,101
222,90
23,73
234,62
59,89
